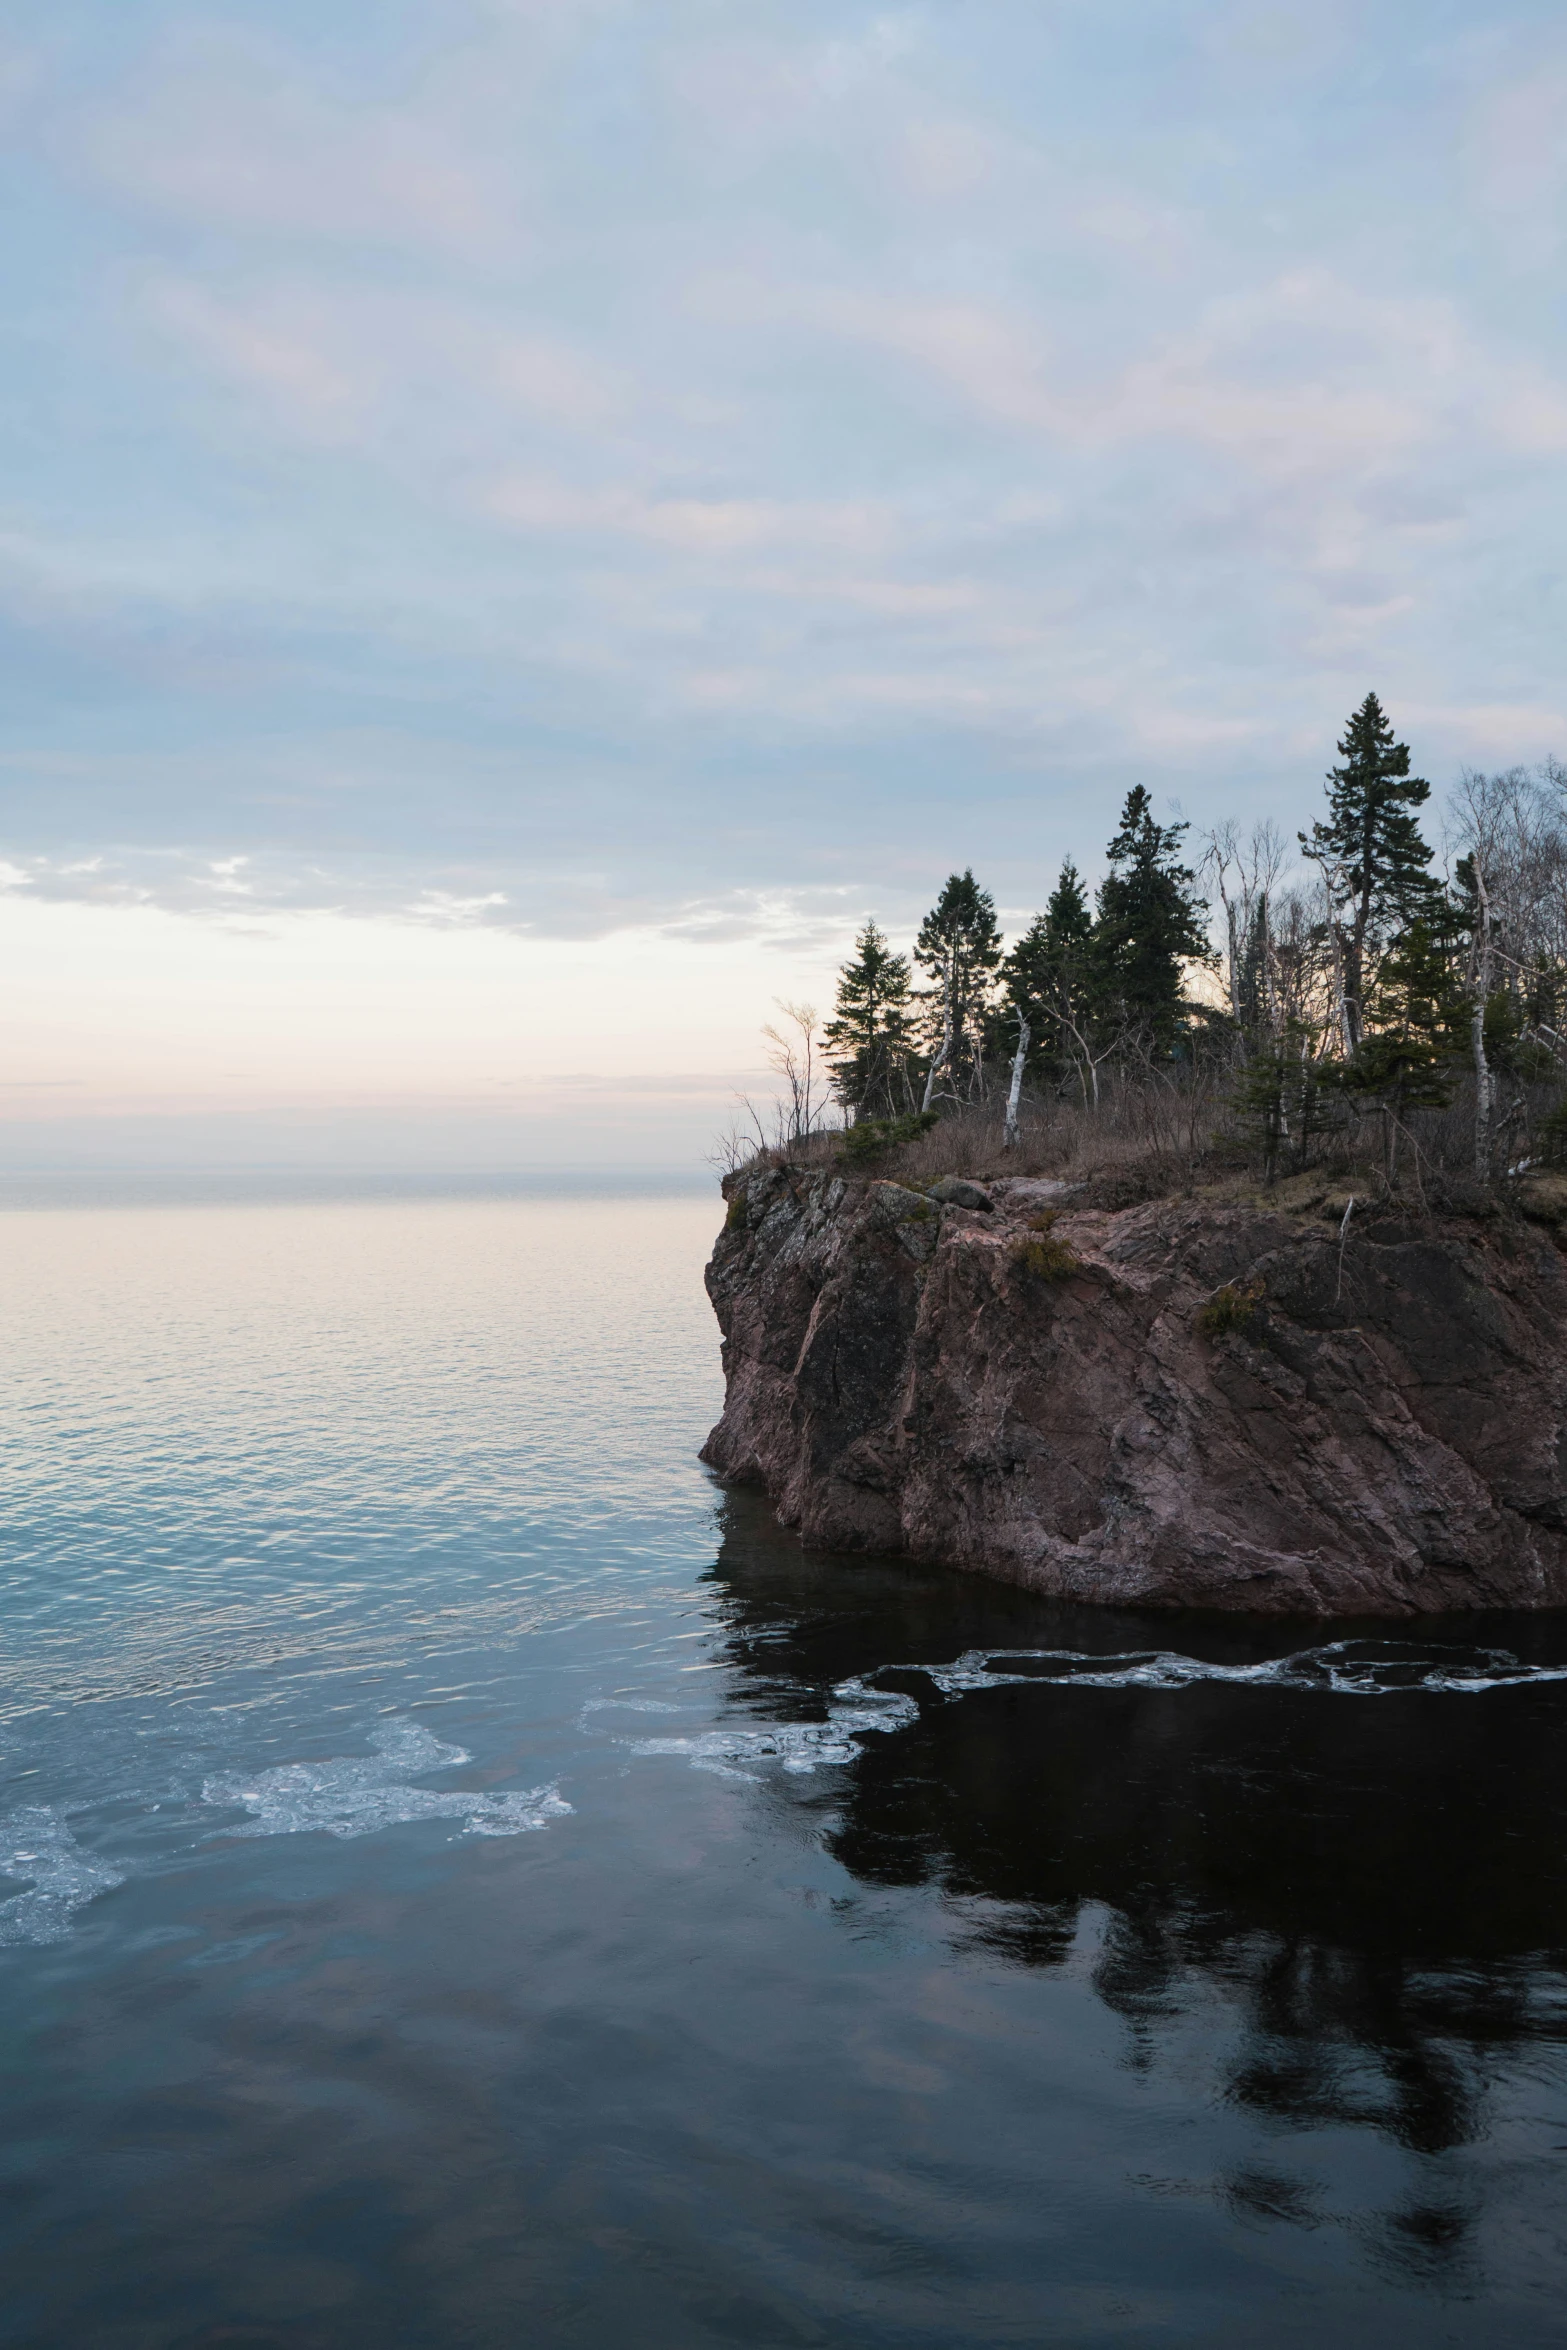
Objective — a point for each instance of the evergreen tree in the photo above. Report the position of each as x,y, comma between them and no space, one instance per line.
1371,853
1047,977
870,1038
1418,998
1025,987
1151,922
1418,1015
959,947
1283,1099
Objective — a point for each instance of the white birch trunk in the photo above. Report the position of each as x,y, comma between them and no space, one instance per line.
940,1062
1009,1132
1348,1025
1482,991
1345,1023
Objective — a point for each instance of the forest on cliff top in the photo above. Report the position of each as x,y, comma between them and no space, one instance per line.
1342,1002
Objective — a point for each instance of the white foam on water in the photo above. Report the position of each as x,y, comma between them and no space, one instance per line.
354,1795
36,1843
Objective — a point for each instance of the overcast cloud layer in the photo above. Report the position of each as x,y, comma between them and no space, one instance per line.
572,463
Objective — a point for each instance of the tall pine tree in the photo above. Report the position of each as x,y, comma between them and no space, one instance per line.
1372,856
1415,1030
958,947
870,1037
1151,924
1047,977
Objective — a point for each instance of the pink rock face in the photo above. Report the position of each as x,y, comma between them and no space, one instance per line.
1378,1432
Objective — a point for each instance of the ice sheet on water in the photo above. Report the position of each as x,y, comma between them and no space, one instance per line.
36,1843
354,1795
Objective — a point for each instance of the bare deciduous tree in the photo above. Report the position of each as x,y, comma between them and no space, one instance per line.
794,1053
1243,873
1512,831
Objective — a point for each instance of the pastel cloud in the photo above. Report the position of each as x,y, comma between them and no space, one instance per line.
232,133
1517,159
557,464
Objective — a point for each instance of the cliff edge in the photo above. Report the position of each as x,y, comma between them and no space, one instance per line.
1187,1403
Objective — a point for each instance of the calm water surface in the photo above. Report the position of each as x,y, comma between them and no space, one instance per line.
469,1882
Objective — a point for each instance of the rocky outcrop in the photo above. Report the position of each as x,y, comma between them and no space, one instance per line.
1183,1404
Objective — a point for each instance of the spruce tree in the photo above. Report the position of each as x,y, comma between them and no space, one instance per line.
1025,985
870,1038
1375,863
1418,998
1151,923
958,947
1284,1100
1416,1023
1046,978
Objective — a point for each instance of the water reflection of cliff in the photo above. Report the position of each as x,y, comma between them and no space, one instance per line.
1376,1887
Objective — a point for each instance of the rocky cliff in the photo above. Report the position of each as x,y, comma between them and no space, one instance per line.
1181,1404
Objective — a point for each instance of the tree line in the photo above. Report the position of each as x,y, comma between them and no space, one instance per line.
1368,985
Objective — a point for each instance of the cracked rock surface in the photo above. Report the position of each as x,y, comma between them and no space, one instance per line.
1378,1430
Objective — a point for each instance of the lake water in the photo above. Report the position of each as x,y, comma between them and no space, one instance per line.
470,1882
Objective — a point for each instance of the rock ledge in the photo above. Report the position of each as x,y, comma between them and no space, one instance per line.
1183,1404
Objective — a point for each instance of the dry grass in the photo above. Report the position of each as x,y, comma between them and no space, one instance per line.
1042,1254
1134,1145
1144,1141
1155,1136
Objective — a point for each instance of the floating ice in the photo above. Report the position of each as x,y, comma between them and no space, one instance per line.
36,1843
623,1705
353,1795
799,1746
1342,1668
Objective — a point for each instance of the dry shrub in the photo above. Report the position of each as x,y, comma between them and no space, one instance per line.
1156,1132
1043,1255
1232,1306
869,1140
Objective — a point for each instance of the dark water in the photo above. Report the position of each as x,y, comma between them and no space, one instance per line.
473,1884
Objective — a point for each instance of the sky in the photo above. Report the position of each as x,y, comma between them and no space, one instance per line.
526,520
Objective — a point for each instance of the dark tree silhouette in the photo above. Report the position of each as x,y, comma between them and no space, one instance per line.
1372,856
958,947
870,1037
1151,925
